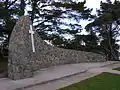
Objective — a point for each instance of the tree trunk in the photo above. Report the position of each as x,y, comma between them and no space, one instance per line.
22,7
110,38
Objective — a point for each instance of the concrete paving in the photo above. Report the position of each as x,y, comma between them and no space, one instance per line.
62,82
57,76
76,78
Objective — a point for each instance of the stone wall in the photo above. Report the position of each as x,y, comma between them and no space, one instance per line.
22,61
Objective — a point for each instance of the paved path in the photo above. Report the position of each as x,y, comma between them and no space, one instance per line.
62,82
76,78
59,76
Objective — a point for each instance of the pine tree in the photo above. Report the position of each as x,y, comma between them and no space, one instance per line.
108,26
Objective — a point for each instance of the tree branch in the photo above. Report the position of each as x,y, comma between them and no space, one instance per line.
12,3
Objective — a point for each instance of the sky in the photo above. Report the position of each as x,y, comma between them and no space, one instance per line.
95,4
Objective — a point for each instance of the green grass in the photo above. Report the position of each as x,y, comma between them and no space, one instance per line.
3,66
104,81
117,69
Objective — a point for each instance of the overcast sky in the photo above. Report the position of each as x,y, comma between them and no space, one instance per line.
95,4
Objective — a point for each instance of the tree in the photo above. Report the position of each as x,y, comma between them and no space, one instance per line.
107,24
10,11
50,16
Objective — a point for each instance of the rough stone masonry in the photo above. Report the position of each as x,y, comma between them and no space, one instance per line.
23,62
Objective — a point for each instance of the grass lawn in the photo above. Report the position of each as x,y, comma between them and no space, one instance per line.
104,81
117,69
3,66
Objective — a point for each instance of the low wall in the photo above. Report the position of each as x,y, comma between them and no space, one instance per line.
22,61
